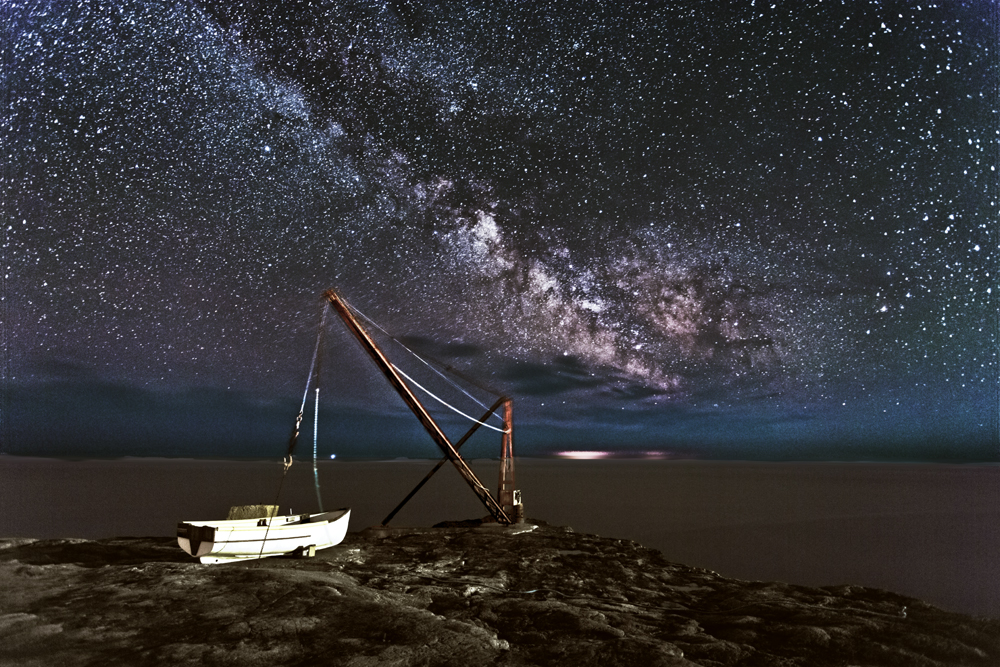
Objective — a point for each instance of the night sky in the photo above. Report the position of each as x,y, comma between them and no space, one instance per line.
723,230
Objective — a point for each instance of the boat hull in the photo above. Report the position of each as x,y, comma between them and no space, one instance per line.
247,539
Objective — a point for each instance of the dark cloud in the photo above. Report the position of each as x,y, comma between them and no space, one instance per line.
560,376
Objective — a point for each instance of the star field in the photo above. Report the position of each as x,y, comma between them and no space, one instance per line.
758,229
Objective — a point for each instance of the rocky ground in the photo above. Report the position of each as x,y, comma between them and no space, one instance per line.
452,595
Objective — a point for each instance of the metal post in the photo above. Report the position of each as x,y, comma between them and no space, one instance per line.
319,499
505,491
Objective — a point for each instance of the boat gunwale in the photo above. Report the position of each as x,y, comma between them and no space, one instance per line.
273,522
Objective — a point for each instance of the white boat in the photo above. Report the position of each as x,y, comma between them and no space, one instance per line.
246,539
257,531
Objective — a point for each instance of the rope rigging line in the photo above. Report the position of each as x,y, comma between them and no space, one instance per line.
269,517
287,462
312,364
445,404
430,366
305,394
318,357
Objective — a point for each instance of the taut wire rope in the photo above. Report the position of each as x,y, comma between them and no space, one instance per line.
430,366
445,404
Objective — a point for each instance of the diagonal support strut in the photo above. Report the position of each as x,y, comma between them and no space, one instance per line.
458,445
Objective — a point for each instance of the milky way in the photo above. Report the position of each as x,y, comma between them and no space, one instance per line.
763,229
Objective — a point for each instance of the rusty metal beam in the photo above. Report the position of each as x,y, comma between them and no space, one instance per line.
412,402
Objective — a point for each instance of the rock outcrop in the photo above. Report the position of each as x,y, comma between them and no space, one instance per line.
458,594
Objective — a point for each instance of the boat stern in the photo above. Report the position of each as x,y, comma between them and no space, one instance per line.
196,540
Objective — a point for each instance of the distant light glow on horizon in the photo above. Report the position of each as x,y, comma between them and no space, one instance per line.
583,456
586,455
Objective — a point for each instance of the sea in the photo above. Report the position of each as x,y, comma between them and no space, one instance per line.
930,531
